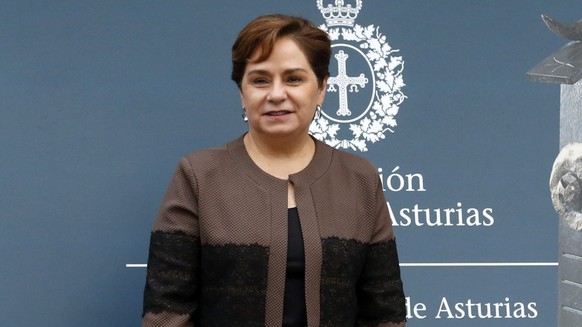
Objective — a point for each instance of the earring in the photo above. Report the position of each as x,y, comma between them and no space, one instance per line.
317,112
244,115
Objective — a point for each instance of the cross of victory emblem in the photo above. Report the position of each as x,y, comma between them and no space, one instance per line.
342,80
364,96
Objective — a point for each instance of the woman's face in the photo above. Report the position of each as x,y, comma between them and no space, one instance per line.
280,94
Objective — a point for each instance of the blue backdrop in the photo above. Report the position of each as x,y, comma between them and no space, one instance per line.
99,100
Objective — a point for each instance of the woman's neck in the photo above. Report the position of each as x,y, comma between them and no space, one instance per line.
280,157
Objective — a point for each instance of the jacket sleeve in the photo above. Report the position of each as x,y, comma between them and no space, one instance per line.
381,301
170,295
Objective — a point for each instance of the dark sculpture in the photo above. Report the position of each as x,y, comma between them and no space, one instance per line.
568,31
565,67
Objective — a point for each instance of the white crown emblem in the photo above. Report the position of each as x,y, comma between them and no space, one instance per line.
365,86
338,14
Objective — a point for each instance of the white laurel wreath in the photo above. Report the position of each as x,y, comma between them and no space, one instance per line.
389,83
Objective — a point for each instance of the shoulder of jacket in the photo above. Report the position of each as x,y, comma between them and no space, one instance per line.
354,163
205,159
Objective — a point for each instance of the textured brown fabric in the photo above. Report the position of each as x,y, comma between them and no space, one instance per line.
166,319
221,198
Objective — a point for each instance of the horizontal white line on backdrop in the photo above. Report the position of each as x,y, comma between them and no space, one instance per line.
439,264
480,264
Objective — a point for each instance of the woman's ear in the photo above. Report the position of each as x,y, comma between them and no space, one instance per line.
322,90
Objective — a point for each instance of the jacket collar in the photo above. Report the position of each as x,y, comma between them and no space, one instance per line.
318,165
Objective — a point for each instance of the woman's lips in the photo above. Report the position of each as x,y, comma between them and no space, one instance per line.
278,113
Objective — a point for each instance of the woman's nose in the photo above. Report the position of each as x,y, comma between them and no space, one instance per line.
278,92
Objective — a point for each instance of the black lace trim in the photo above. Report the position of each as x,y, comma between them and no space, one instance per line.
343,262
360,284
380,292
234,285
172,273
228,289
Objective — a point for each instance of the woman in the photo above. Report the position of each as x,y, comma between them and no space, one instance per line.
275,228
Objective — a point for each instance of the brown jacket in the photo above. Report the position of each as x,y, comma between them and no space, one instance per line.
219,244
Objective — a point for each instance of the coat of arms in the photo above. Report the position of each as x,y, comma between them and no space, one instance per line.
366,76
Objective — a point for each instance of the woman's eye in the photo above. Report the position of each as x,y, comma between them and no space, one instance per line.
294,79
260,81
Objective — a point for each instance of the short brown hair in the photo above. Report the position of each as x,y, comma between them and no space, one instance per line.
262,33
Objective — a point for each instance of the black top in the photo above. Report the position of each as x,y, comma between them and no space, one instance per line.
294,312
